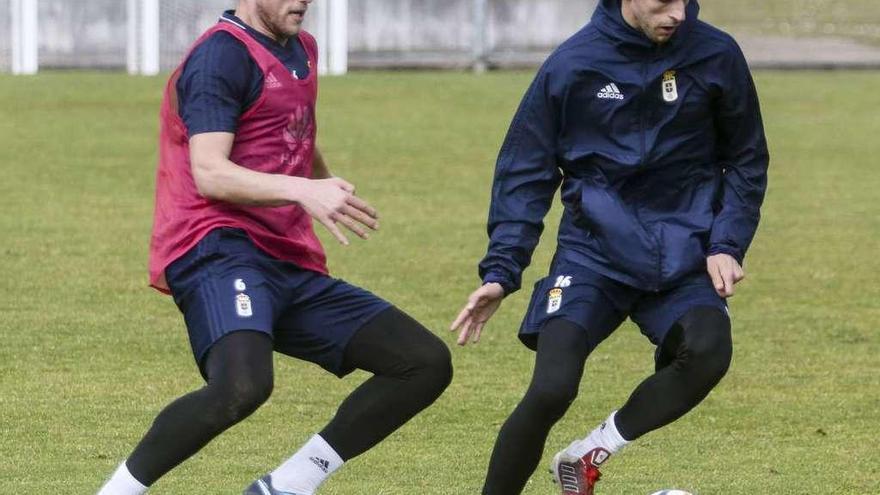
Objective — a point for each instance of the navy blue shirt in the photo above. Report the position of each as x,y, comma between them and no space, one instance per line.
220,80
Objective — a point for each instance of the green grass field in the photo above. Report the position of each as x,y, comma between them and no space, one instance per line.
89,354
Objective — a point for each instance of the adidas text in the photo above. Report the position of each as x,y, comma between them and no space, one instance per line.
610,92
323,464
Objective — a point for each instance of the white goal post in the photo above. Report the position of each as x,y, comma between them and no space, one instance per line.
24,34
337,39
142,37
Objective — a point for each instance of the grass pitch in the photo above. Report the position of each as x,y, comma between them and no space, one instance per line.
89,354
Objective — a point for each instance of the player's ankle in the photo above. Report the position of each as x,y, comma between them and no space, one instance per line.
308,468
605,437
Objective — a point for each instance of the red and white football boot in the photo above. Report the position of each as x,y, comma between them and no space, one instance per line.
578,475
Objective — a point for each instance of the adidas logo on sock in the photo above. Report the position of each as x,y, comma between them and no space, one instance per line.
324,464
610,92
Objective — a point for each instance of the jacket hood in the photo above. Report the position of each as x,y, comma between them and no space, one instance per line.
608,18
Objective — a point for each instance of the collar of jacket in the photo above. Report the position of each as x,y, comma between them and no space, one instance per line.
608,19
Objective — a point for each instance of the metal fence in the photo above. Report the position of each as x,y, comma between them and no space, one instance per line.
82,34
181,22
453,33
798,19
5,36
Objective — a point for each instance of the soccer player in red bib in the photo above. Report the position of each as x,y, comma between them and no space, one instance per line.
239,181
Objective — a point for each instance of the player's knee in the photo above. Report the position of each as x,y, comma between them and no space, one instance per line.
552,398
708,347
715,362
244,394
432,365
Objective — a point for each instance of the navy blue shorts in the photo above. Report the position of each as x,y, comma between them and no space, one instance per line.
225,284
599,304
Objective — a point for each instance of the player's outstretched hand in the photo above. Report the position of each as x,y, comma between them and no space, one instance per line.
332,201
480,307
725,272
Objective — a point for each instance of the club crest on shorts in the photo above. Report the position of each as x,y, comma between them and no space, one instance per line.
670,88
554,300
243,306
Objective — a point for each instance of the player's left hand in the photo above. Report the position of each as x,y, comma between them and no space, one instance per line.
725,271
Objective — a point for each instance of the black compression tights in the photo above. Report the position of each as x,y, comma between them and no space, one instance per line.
412,368
693,358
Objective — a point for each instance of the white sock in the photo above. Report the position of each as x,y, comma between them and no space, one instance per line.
122,483
308,468
604,436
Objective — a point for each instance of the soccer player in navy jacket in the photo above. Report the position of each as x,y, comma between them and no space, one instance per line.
649,122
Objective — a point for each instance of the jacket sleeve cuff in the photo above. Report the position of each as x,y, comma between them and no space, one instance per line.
506,283
737,254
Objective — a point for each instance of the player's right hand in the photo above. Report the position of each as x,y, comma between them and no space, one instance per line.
332,201
481,305
725,272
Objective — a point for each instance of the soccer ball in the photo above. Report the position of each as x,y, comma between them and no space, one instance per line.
672,492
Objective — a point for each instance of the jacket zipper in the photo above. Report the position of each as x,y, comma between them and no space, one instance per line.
655,284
